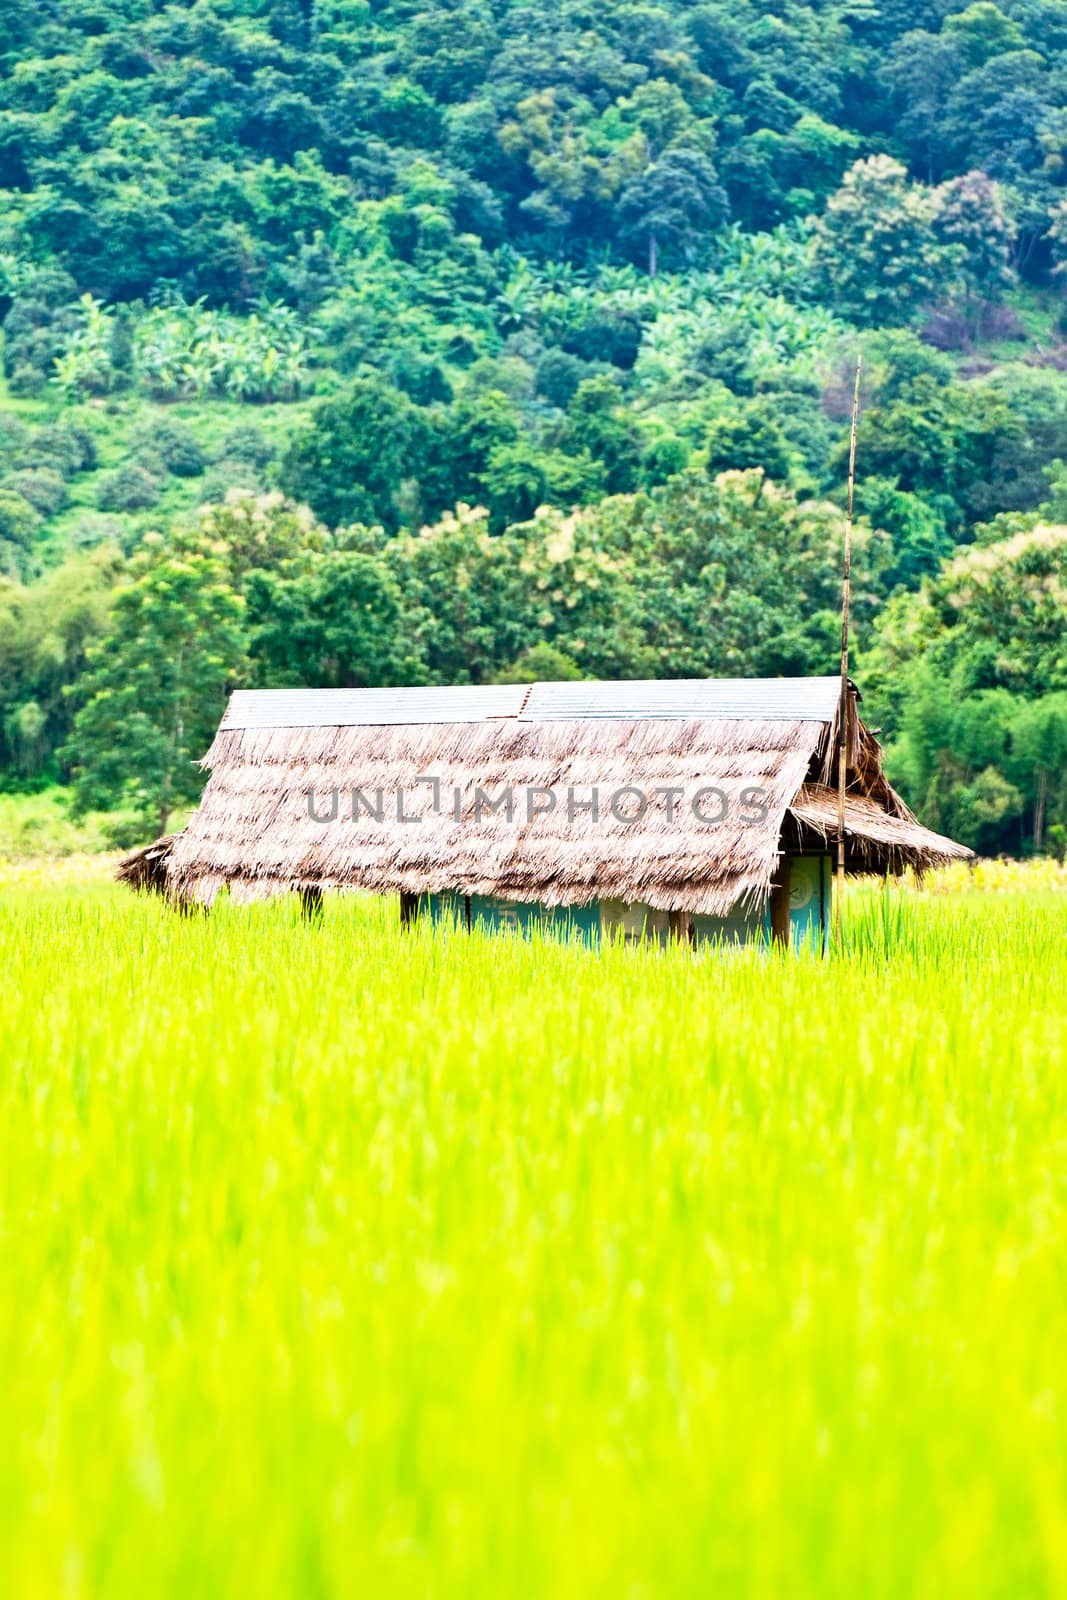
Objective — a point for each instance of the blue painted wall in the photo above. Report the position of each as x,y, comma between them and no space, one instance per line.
810,889
809,903
493,914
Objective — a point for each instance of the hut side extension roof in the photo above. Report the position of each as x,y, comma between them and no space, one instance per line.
871,833
254,832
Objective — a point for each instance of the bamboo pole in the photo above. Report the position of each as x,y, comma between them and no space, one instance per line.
842,713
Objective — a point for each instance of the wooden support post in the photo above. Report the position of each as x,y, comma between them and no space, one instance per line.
780,920
409,909
680,926
846,703
311,903
185,907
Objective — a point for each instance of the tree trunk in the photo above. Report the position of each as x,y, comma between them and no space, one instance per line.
1039,809
653,254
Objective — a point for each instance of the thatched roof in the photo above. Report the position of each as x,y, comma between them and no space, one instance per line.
253,830
875,840
146,868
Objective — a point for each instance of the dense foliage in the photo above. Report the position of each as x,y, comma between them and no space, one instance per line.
562,263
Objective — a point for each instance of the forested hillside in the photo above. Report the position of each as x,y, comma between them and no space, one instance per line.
355,342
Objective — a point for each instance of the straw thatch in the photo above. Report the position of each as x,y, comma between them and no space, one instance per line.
253,829
876,840
146,869
258,831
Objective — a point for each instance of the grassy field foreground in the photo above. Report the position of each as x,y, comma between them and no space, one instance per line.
335,1263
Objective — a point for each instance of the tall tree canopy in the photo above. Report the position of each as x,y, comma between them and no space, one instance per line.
408,296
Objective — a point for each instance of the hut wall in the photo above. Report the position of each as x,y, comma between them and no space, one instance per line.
810,887
742,926
492,913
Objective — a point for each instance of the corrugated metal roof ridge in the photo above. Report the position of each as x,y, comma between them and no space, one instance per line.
787,699
280,708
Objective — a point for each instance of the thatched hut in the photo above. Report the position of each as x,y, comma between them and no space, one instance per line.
704,808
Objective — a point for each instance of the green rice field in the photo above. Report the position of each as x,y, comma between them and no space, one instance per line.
337,1262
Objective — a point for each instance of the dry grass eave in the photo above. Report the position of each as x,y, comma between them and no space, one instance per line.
146,867
875,841
254,830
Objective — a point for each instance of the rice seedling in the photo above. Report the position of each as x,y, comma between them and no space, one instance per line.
337,1261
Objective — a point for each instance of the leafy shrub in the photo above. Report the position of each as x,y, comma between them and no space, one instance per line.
13,436
248,444
67,447
122,830
420,377
18,524
92,528
174,444
542,663
229,473
43,317
724,352
43,487
557,377
133,487
608,335
746,439
27,381
663,458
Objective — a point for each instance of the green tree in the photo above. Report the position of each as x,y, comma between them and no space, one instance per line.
255,532
350,464
523,476
993,617
600,427
478,425
969,449
542,663
671,208
916,527
731,576
748,438
973,217
970,677
876,248
471,598
47,629
1038,762
338,624
156,685
18,526
922,68
983,31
